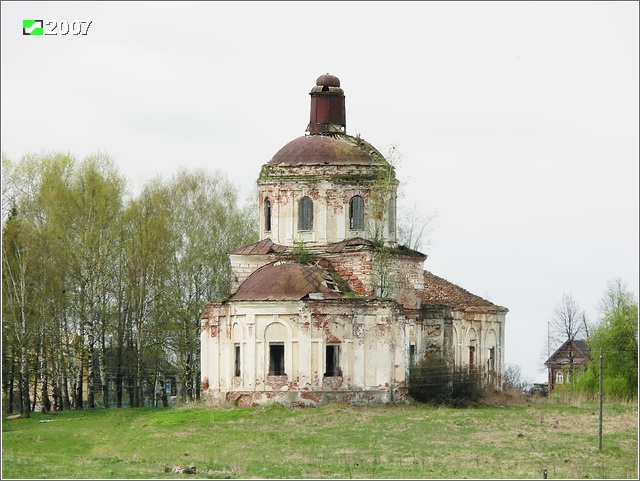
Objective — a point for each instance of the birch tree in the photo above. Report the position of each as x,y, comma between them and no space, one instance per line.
208,225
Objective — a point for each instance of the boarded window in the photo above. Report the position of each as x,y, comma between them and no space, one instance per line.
356,213
332,360
276,359
237,365
267,215
305,214
392,216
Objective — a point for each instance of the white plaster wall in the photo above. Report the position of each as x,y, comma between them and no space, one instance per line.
480,322
372,340
331,212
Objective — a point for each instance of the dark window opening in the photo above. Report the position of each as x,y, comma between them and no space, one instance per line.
276,360
412,355
491,361
237,360
305,214
267,215
472,356
331,284
356,213
332,361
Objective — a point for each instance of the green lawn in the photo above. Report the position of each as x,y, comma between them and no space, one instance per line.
335,441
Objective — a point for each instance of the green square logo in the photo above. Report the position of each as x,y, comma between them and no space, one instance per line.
32,27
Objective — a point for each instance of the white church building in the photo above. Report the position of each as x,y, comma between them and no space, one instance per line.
327,306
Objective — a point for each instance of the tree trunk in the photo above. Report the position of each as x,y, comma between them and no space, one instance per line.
119,383
187,375
36,380
104,381
57,395
130,390
46,402
79,388
66,401
25,403
163,392
91,372
11,386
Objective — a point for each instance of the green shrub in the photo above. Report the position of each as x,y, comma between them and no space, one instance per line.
430,381
616,387
433,381
467,387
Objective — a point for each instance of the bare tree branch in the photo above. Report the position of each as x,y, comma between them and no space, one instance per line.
568,321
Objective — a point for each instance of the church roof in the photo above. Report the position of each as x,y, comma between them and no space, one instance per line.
287,281
336,149
265,246
440,291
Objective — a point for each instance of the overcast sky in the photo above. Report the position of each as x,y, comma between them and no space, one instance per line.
517,121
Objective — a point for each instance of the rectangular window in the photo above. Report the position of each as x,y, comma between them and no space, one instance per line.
356,213
237,360
332,360
276,359
267,215
305,214
412,355
392,216
491,361
472,357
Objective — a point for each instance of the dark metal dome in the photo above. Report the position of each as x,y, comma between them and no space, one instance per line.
328,80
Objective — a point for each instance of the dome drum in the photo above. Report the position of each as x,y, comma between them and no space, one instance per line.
328,111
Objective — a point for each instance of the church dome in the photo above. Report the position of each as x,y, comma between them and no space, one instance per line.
326,149
289,281
328,80
327,186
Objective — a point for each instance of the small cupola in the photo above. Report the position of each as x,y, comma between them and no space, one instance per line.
328,112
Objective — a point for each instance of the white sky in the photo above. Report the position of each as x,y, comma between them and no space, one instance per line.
517,121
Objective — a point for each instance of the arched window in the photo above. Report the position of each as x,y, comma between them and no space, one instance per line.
356,213
267,215
559,377
305,214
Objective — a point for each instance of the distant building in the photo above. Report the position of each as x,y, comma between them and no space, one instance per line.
568,359
327,306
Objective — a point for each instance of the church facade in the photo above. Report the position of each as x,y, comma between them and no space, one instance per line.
328,306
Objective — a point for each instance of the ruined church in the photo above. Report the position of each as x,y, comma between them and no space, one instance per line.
328,306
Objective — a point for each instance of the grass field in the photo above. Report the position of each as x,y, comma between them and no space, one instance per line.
335,441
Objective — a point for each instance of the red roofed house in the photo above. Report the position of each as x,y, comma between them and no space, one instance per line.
572,356
327,306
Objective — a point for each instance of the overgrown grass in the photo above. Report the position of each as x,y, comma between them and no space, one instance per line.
335,441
